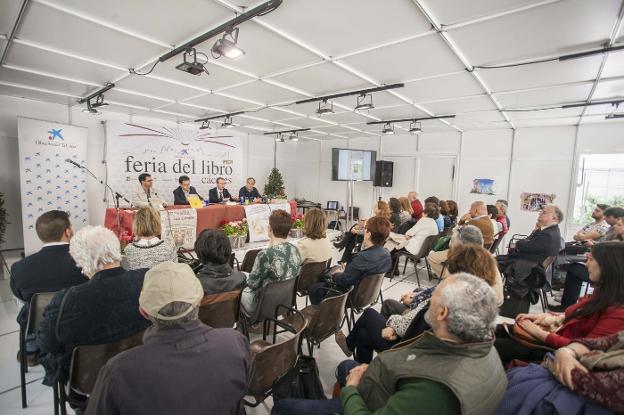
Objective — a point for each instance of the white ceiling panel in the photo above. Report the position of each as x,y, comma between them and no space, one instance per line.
477,116
46,61
222,103
272,114
457,85
609,89
323,79
305,122
217,78
157,88
480,103
477,126
167,21
547,122
601,109
403,111
9,9
52,27
265,52
413,59
345,117
545,97
185,109
264,93
543,74
339,27
142,101
554,113
3,44
557,28
36,95
615,65
380,99
451,11
19,77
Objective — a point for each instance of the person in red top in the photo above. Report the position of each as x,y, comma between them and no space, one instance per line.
596,315
417,207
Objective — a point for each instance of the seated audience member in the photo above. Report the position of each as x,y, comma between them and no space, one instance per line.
372,259
406,209
148,249
444,212
478,216
208,364
280,261
249,191
440,219
577,272
145,195
356,233
453,211
182,191
493,214
414,379
379,331
395,209
417,207
417,234
103,310
220,194
584,377
544,241
595,315
612,215
216,275
467,234
314,246
597,229
49,270
502,207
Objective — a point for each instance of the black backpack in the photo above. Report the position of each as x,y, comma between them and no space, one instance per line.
302,382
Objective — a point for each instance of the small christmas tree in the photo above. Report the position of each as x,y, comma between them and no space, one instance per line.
3,219
275,183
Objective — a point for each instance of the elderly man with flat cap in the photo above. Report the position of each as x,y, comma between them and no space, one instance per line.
184,366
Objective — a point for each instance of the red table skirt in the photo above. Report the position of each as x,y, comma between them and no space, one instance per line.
209,217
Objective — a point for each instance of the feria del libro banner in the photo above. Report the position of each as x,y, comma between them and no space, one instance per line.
167,153
47,180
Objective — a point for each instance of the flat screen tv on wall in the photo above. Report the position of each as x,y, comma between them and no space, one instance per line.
356,165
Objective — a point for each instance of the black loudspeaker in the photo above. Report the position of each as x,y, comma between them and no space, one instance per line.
383,173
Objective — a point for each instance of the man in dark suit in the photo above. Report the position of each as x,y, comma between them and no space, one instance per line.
544,241
219,194
49,270
185,188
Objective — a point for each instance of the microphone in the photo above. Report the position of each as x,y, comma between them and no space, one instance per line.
73,162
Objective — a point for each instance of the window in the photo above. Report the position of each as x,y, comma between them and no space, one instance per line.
600,180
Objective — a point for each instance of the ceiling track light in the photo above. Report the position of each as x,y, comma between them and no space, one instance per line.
614,114
325,107
260,10
205,125
227,47
227,122
293,135
411,120
192,66
346,94
99,99
388,128
362,104
279,138
415,127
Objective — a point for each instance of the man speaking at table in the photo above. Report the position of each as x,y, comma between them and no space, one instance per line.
145,196
219,194
249,192
185,189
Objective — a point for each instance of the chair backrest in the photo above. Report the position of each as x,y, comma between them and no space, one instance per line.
427,245
366,292
38,303
404,227
86,361
232,261
495,245
273,361
249,259
310,273
220,310
548,262
272,295
328,317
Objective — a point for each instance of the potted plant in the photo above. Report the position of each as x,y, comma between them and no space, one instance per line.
3,219
297,226
243,230
231,231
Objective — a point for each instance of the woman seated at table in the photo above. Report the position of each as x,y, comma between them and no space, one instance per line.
403,320
595,315
356,233
314,246
280,261
148,249
584,377
213,249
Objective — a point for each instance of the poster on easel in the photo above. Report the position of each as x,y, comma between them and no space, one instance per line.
179,226
258,222
49,177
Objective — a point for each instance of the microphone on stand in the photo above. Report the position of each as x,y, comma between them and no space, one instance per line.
73,162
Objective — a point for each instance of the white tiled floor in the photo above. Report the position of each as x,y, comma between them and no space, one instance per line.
40,397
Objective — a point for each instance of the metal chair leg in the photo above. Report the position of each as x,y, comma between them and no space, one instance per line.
23,366
62,399
55,392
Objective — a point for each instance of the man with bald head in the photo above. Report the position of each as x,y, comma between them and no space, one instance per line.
478,216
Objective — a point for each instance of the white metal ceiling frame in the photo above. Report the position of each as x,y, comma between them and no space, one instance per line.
334,60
